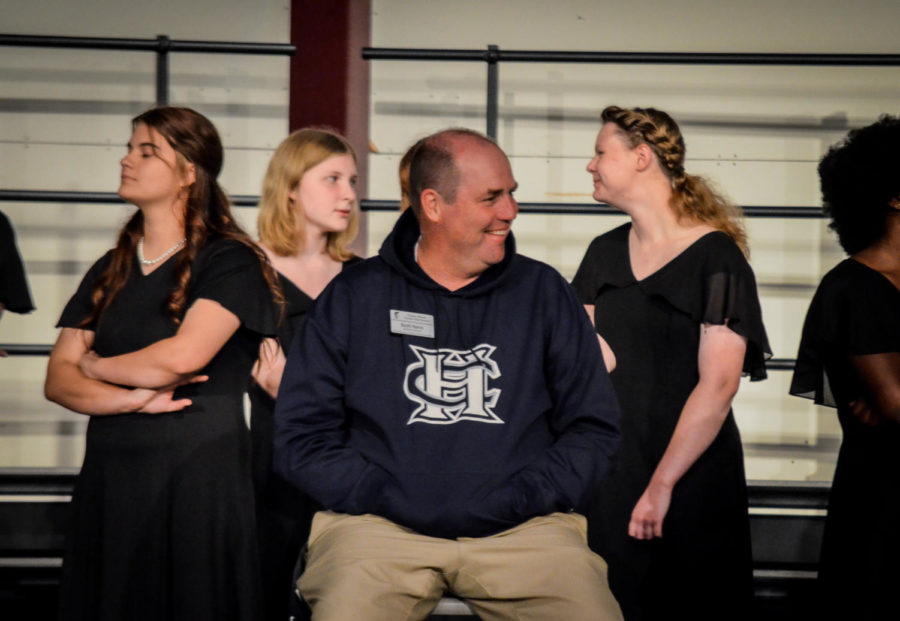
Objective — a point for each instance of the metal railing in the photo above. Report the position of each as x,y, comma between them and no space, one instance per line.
493,56
162,45
248,200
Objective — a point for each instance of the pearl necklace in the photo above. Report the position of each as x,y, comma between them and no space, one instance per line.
143,261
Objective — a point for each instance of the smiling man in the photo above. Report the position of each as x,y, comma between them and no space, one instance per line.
448,406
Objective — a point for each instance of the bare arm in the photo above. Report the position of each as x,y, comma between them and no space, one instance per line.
609,358
206,328
269,367
720,361
68,386
880,375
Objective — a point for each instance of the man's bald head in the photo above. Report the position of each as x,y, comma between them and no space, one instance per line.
434,165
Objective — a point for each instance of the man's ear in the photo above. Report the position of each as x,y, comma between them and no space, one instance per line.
894,203
432,204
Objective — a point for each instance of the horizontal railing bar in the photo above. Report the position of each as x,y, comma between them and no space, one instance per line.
53,196
148,45
789,495
38,349
56,196
781,364
26,349
752,211
677,58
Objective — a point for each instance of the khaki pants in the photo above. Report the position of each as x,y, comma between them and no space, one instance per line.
367,567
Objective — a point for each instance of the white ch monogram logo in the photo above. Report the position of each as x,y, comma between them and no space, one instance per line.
452,385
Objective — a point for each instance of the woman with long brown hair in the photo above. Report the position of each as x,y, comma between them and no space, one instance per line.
156,346
672,294
308,215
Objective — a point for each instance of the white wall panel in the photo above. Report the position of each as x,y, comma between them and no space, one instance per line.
757,132
64,120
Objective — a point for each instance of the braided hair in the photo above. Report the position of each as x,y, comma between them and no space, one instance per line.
692,196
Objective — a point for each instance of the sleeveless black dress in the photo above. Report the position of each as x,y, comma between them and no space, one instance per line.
701,567
283,513
855,311
162,513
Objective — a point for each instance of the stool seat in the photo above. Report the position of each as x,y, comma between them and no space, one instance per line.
451,606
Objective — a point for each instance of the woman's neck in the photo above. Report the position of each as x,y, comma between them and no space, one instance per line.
655,222
162,228
310,269
884,255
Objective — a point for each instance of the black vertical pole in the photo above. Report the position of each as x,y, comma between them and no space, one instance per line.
162,70
493,76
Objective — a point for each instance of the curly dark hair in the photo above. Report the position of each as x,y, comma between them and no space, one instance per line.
860,176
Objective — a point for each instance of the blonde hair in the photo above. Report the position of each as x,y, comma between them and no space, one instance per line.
403,174
281,226
692,196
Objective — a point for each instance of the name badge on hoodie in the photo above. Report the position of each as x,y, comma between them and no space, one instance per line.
412,324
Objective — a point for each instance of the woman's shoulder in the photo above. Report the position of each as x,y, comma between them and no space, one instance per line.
228,250
353,260
612,241
614,235
853,280
712,252
100,265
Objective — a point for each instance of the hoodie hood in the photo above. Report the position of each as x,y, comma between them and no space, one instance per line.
398,251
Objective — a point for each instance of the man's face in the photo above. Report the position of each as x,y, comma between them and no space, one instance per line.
475,226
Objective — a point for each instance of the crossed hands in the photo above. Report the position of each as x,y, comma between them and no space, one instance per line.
160,400
144,400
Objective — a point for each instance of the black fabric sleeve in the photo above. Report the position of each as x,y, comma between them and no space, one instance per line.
731,298
586,278
717,286
229,272
80,305
14,293
853,312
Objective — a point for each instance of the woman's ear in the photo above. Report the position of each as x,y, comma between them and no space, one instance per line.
189,174
894,203
644,156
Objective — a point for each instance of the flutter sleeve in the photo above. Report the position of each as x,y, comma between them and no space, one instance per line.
716,285
586,278
605,263
853,312
230,273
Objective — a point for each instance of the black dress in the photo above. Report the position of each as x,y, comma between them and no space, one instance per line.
855,311
163,525
701,567
14,295
283,513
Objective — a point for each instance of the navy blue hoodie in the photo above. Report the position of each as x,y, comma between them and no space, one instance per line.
504,414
